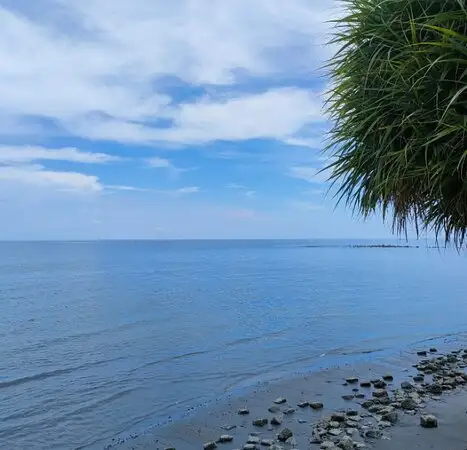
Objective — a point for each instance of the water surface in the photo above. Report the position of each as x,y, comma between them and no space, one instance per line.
106,339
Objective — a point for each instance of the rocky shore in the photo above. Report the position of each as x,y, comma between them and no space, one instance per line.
338,409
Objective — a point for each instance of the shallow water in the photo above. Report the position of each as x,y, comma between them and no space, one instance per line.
102,339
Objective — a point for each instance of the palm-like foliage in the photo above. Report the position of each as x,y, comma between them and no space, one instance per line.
399,107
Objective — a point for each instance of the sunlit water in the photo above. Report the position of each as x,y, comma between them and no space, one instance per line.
107,339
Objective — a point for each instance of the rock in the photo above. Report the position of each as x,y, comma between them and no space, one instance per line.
433,350
418,378
170,448
428,421
352,380
388,377
274,409
435,389
289,411
422,353
380,384
380,393
338,417
210,446
334,424
326,445
384,424
390,416
225,438
348,397
351,413
316,405
280,400
260,422
303,404
346,443
365,384
228,427
276,420
409,403
249,447
367,403
243,411
284,435
373,434
267,442
335,431
407,386
360,396
253,439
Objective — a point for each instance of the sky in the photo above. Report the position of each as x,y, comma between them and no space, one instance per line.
154,119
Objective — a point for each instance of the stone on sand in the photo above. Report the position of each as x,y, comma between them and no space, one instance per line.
428,421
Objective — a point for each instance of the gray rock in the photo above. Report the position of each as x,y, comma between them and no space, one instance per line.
380,393
351,413
335,431
346,443
243,411
360,396
365,384
380,384
407,386
435,389
280,400
433,350
249,447
388,377
428,421
267,442
390,416
276,420
334,424
367,403
260,422
352,380
409,403
316,405
422,353
303,404
274,409
338,417
327,445
225,438
373,434
348,397
418,378
210,446
253,439
289,411
284,435
228,427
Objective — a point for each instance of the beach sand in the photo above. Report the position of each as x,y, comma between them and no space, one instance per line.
326,386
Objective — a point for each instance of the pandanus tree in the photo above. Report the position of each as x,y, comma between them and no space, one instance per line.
398,103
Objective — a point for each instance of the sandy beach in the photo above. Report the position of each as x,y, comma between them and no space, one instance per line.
382,423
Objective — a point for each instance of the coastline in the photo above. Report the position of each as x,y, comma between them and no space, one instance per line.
327,386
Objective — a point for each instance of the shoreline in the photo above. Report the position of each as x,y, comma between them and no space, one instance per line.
327,386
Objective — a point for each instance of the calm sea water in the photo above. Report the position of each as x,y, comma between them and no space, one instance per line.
105,339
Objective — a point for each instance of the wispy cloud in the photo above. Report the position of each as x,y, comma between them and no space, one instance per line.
37,176
310,174
27,154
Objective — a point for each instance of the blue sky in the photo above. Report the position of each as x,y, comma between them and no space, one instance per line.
155,119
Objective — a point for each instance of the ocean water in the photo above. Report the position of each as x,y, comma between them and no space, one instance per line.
103,340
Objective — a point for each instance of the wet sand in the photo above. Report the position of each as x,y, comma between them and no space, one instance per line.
328,387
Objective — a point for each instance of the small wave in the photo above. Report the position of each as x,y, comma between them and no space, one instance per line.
53,373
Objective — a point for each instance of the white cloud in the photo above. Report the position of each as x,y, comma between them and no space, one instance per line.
37,176
185,190
159,163
310,174
26,154
94,67
275,114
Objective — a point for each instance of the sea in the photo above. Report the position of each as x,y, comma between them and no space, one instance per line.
102,341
